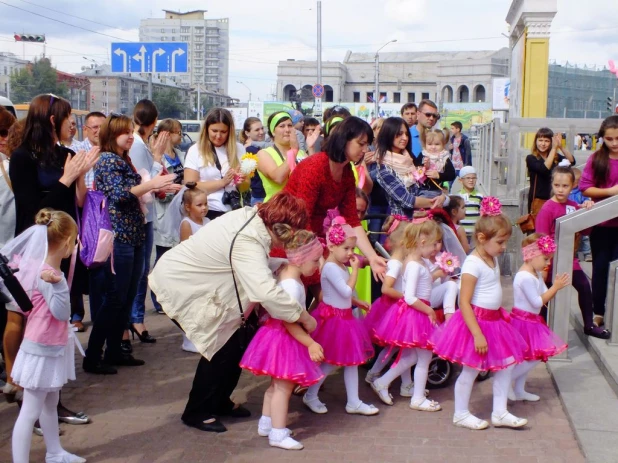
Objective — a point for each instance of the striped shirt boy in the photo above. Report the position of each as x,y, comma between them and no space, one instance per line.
473,209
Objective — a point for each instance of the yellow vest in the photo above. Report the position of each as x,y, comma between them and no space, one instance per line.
271,187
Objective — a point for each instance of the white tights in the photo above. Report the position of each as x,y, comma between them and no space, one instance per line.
350,377
445,295
385,355
520,375
409,357
42,406
463,389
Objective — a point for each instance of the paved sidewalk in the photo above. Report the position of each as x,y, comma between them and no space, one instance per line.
136,418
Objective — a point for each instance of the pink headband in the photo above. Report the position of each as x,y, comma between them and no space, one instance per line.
397,219
305,253
339,232
490,207
544,246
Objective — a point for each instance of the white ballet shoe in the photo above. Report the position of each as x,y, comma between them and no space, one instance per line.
188,346
526,396
469,421
425,405
507,420
382,393
362,409
408,391
281,438
371,377
264,432
315,405
65,457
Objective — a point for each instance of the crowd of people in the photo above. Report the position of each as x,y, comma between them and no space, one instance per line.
260,250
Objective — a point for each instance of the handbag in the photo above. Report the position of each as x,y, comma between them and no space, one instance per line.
526,222
248,325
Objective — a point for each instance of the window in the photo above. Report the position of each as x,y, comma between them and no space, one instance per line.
425,96
369,97
173,38
184,38
162,39
185,29
6,70
162,31
356,97
173,31
411,97
396,97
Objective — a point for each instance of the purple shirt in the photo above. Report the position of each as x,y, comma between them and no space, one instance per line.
546,220
587,181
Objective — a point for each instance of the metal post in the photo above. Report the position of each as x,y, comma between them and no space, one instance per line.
612,301
319,42
376,95
199,104
150,86
107,96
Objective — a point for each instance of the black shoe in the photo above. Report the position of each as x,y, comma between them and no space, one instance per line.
126,347
144,336
597,332
215,426
70,417
238,412
128,360
98,368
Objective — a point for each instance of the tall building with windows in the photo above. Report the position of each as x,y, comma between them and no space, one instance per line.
209,46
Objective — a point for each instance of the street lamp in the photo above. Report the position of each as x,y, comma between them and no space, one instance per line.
376,97
242,83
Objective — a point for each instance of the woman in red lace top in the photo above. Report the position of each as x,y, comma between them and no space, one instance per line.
326,181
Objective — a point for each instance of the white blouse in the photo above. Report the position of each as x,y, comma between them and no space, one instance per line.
527,292
335,289
394,270
417,282
488,290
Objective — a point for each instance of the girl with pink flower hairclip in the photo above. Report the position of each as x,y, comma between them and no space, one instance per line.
530,295
343,337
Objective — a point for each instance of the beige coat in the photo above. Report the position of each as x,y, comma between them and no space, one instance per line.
193,281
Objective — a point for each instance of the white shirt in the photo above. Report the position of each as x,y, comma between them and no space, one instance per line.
488,290
417,282
295,289
394,270
527,292
210,172
335,289
194,226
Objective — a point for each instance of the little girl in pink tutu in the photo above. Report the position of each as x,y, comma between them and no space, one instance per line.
479,336
530,295
343,337
284,351
408,323
392,291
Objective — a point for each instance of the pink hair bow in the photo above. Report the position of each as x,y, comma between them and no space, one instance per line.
490,206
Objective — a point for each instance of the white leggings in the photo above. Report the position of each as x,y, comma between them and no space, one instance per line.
42,406
350,377
445,295
463,389
520,375
385,355
409,357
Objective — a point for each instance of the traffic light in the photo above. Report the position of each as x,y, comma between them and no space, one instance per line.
38,38
610,104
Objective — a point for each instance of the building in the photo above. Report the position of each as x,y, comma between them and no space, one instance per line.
580,92
9,63
78,87
120,92
208,41
445,77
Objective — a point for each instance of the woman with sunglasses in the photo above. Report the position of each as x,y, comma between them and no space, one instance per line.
46,174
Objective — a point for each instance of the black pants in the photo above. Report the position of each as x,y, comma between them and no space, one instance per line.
212,215
214,382
604,248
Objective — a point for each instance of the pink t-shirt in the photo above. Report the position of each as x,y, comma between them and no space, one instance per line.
546,220
587,181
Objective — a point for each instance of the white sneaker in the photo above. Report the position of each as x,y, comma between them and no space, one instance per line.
362,409
507,420
371,377
65,457
469,421
425,405
315,405
382,392
188,346
281,438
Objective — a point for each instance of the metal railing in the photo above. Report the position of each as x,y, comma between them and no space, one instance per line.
611,302
566,227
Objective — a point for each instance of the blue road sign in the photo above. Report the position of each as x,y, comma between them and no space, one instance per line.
150,57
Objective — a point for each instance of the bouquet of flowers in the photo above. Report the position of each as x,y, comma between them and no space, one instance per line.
418,174
248,166
447,262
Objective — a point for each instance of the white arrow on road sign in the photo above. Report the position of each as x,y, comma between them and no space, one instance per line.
141,56
120,52
176,53
156,53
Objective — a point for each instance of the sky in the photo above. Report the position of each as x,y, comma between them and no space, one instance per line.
263,32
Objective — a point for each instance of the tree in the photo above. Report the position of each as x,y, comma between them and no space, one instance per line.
41,77
169,103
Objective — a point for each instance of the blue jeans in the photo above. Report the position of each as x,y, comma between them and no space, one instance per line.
159,251
584,245
139,303
111,299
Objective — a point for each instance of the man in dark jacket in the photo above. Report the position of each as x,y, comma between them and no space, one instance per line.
461,147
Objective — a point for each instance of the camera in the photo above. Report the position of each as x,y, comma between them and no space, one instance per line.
232,199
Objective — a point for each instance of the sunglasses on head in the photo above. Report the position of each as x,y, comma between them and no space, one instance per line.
52,99
114,115
436,116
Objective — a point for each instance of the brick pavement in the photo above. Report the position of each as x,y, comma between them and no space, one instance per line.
136,418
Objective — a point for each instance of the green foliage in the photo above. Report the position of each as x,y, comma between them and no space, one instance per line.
41,78
169,103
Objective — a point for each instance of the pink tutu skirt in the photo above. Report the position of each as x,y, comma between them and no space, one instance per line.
542,342
274,352
376,313
404,326
342,336
505,346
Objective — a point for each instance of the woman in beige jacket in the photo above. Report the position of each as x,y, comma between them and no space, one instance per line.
194,285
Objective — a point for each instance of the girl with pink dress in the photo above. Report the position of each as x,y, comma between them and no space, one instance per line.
284,351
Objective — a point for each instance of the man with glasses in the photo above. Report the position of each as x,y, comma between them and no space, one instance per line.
93,123
427,117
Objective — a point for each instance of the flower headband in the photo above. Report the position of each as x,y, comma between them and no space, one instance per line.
544,246
305,253
490,207
397,219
